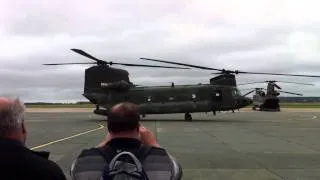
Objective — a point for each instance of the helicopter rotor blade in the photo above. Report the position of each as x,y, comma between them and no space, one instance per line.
249,93
83,53
295,83
99,61
182,64
277,81
250,83
144,65
227,71
53,64
251,89
275,85
278,74
291,93
246,89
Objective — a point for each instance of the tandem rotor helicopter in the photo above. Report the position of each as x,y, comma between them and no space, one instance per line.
106,86
269,101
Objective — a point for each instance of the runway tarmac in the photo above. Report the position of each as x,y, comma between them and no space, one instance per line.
240,145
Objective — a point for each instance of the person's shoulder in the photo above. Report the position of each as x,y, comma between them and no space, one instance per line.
87,161
87,155
45,167
161,160
94,151
162,153
158,151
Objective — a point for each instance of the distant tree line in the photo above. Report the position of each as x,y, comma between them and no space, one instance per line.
282,99
299,99
48,103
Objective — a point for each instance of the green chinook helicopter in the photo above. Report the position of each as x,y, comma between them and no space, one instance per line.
268,100
106,86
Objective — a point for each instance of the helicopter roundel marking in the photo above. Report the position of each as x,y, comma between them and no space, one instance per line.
194,96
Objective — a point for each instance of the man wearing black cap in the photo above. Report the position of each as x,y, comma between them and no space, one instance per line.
126,134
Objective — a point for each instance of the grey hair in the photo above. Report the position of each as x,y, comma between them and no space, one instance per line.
11,117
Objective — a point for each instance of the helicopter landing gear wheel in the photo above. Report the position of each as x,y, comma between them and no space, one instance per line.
143,115
253,108
187,117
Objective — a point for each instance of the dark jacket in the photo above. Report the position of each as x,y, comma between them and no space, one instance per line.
158,164
18,162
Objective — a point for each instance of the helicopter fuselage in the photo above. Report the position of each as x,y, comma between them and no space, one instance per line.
174,99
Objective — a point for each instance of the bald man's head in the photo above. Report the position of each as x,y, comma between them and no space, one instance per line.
123,117
5,102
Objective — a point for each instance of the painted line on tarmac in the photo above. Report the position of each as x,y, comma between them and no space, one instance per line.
37,121
70,137
314,117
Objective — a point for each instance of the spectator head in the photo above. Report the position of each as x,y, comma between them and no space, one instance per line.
12,123
123,120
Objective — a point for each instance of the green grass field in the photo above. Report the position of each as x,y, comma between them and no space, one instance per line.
300,105
283,105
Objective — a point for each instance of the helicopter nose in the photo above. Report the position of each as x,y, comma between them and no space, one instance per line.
248,101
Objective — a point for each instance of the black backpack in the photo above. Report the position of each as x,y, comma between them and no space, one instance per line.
124,165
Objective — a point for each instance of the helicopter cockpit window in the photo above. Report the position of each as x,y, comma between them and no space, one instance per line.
236,92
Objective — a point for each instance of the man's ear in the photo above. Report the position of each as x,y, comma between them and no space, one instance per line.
24,132
24,129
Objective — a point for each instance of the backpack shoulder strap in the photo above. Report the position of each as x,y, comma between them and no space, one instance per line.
143,152
107,152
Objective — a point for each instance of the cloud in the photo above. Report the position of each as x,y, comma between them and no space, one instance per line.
269,36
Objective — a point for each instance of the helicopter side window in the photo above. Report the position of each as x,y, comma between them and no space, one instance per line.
194,96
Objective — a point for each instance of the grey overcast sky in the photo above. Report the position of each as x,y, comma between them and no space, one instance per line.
251,35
